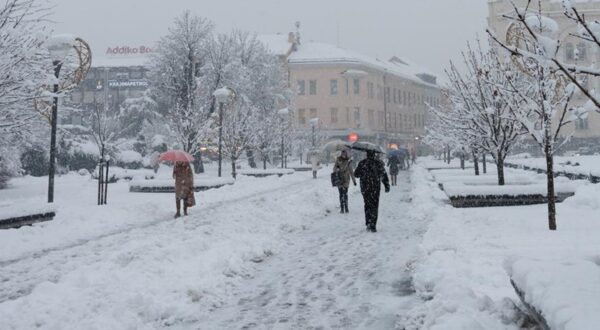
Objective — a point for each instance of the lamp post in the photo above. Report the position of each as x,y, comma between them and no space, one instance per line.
284,114
222,95
58,47
313,124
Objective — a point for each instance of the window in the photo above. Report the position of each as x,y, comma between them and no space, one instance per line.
581,124
356,85
136,74
301,87
404,101
334,115
347,116
313,113
302,116
380,118
312,87
370,90
569,51
379,92
357,117
387,95
371,118
581,51
395,98
333,87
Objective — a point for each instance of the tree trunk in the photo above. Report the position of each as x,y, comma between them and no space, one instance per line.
476,163
462,160
550,178
500,169
449,157
233,167
444,155
484,162
264,163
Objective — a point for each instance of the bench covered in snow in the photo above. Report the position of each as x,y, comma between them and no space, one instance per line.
558,294
260,173
168,185
462,195
15,215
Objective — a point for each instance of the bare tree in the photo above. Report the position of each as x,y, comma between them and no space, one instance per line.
543,102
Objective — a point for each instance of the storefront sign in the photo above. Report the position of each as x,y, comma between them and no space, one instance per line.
131,83
127,50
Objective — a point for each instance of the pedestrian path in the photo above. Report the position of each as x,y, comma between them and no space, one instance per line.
333,275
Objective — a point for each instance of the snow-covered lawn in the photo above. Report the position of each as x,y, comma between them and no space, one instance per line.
585,165
461,270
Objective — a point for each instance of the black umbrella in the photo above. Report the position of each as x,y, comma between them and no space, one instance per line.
367,146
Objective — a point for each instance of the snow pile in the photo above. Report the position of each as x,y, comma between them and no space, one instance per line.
564,292
269,171
460,189
129,156
199,181
587,196
20,208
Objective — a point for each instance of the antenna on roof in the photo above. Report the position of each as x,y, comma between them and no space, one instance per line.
298,32
338,34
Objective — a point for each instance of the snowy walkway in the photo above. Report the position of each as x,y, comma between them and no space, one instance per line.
334,275
325,270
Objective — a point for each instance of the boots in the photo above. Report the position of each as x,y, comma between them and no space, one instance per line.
178,206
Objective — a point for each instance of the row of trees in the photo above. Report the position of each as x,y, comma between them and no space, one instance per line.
518,89
192,61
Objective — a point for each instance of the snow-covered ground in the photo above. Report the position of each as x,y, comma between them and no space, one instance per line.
463,267
274,253
264,253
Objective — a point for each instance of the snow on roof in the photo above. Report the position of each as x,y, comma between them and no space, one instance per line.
278,44
314,52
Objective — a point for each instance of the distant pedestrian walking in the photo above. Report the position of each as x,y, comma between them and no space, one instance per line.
184,187
314,163
344,169
394,165
371,172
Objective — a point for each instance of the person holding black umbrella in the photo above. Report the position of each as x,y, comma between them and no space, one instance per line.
371,172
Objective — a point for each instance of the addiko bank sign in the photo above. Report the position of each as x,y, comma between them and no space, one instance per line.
128,50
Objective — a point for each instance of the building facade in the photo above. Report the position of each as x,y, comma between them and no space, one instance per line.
346,93
119,74
573,50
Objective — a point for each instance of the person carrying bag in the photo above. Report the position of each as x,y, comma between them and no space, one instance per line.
340,178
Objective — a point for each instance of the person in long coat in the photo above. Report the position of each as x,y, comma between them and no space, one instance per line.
184,187
371,172
344,168
394,165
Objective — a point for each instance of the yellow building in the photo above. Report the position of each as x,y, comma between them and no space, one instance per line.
381,101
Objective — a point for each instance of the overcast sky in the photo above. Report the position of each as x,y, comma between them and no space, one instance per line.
429,32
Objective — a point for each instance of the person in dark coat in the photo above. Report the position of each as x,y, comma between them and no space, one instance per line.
394,165
344,168
371,172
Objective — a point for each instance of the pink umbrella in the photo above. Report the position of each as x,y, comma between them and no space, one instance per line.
176,156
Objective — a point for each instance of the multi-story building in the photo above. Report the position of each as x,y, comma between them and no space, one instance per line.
573,50
346,93
119,74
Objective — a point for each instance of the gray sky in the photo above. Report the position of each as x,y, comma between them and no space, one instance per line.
428,32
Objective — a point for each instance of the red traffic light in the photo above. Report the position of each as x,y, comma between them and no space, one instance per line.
353,137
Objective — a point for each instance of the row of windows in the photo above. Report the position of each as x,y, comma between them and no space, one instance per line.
392,95
352,118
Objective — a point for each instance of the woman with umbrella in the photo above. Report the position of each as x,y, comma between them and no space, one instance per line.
343,167
184,179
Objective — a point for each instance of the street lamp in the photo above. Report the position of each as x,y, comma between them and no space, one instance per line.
284,114
313,124
58,47
222,95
